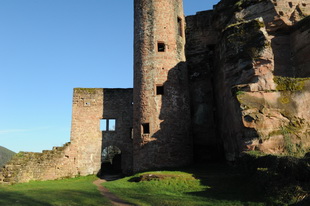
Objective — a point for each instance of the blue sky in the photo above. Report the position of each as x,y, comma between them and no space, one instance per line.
49,47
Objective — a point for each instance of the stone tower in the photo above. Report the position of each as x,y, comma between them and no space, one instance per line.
161,100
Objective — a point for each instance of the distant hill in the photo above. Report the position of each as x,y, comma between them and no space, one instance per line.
5,155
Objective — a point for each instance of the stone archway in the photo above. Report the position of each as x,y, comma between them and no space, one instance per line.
111,161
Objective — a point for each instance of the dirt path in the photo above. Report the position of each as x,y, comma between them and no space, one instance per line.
105,192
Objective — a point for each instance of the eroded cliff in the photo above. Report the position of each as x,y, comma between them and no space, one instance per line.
255,59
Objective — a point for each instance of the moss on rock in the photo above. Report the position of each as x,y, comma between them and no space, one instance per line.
289,83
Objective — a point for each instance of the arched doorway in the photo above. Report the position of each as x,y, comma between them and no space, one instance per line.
111,160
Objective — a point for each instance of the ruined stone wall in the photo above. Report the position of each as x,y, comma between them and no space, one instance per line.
89,107
48,165
118,105
201,38
161,103
82,156
86,137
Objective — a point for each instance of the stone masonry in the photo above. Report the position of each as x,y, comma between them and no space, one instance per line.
82,156
206,87
161,98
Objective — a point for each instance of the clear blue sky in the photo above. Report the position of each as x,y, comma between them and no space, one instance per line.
49,47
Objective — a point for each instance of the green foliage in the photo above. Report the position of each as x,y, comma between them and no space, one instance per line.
67,192
215,184
19,155
5,155
255,153
292,149
289,83
283,179
239,93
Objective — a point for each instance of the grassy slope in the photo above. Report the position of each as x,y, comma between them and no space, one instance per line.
214,185
67,192
5,155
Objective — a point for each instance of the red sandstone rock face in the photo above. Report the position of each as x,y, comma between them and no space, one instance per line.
263,47
249,66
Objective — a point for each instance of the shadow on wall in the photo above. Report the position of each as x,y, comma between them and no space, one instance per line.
117,113
242,43
290,45
170,145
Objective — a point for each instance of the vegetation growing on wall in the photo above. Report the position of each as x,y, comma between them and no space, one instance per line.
86,90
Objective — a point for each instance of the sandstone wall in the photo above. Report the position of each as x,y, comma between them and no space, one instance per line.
161,102
48,165
244,61
118,105
82,156
201,38
89,107
258,57
300,47
86,137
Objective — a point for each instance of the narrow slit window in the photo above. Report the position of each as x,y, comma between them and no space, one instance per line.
131,132
159,90
180,27
146,128
161,47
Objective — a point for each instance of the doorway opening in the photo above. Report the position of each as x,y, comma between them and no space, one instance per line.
111,161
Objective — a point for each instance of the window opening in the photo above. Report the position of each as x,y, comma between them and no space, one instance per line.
108,125
159,90
112,124
131,132
161,47
180,27
146,128
211,47
103,125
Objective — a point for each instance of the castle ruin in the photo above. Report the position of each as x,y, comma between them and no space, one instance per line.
206,87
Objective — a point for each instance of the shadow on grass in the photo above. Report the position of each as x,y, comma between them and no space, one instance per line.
15,199
50,198
226,182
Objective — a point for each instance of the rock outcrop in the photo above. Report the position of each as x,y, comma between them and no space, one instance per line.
248,64
259,52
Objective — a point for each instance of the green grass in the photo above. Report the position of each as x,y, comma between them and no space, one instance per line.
214,185
68,192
